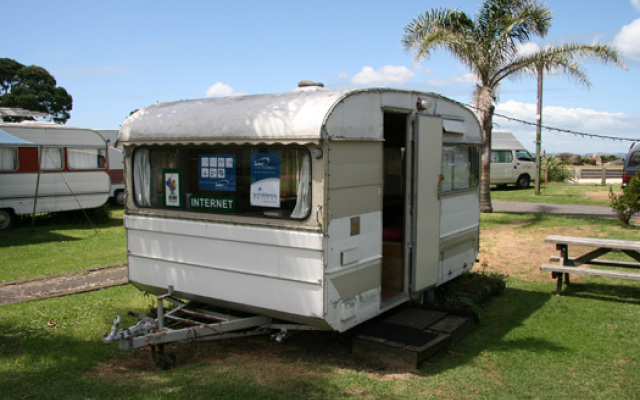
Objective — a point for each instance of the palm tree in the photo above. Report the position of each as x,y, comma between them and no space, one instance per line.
488,45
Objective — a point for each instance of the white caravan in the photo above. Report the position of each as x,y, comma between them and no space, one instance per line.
319,207
116,166
73,172
511,163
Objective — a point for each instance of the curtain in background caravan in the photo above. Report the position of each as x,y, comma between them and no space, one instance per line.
51,158
86,158
8,158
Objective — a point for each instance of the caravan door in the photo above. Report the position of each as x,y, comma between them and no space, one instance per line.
427,160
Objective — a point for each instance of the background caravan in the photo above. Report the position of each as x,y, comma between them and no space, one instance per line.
73,171
319,207
116,166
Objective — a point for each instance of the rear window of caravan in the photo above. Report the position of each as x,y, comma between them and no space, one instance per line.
262,181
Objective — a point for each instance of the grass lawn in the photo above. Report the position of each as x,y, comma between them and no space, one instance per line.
54,247
557,193
529,343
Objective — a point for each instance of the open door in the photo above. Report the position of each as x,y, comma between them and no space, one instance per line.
427,159
394,207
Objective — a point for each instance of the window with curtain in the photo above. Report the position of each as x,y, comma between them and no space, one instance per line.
501,156
460,167
8,158
86,158
51,158
264,181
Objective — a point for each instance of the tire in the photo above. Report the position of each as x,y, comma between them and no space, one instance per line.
523,182
7,218
118,199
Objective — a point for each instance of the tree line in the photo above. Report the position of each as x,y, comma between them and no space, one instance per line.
32,88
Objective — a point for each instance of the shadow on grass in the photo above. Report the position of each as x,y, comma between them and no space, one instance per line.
509,188
22,234
612,292
53,366
498,317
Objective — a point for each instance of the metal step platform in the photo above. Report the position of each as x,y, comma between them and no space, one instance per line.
409,336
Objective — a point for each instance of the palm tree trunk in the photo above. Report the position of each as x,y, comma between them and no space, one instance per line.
485,115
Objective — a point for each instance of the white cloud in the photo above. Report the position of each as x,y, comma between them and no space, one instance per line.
636,4
220,89
529,48
468,77
580,120
464,78
627,39
385,75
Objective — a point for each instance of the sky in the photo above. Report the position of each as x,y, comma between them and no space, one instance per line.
117,56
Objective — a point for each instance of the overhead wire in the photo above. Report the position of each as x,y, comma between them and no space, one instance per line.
551,128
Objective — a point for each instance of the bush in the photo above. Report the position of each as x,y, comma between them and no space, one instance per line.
555,170
563,157
575,159
628,202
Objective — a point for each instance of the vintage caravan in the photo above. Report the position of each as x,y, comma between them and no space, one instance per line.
46,167
319,207
511,163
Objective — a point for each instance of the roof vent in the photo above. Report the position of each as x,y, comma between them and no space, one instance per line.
305,84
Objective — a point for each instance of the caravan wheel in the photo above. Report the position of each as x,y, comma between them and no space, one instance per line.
7,218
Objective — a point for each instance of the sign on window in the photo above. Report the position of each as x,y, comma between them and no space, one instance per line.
265,180
217,172
171,179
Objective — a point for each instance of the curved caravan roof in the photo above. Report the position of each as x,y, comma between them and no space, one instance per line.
50,134
297,116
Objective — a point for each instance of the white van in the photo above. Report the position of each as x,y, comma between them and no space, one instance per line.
320,207
511,163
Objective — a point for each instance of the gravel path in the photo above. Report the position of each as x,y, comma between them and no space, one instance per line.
560,209
63,284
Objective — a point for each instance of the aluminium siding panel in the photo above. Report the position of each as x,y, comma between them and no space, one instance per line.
354,201
355,178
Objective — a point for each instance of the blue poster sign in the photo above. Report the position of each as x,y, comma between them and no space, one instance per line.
217,172
265,179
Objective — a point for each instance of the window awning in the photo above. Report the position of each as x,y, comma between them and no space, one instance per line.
7,139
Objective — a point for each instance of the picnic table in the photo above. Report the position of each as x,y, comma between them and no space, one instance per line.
577,265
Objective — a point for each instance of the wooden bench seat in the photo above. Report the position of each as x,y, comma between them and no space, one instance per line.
571,265
590,271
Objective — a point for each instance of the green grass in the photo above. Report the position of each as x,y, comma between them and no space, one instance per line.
610,227
53,247
556,194
530,344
